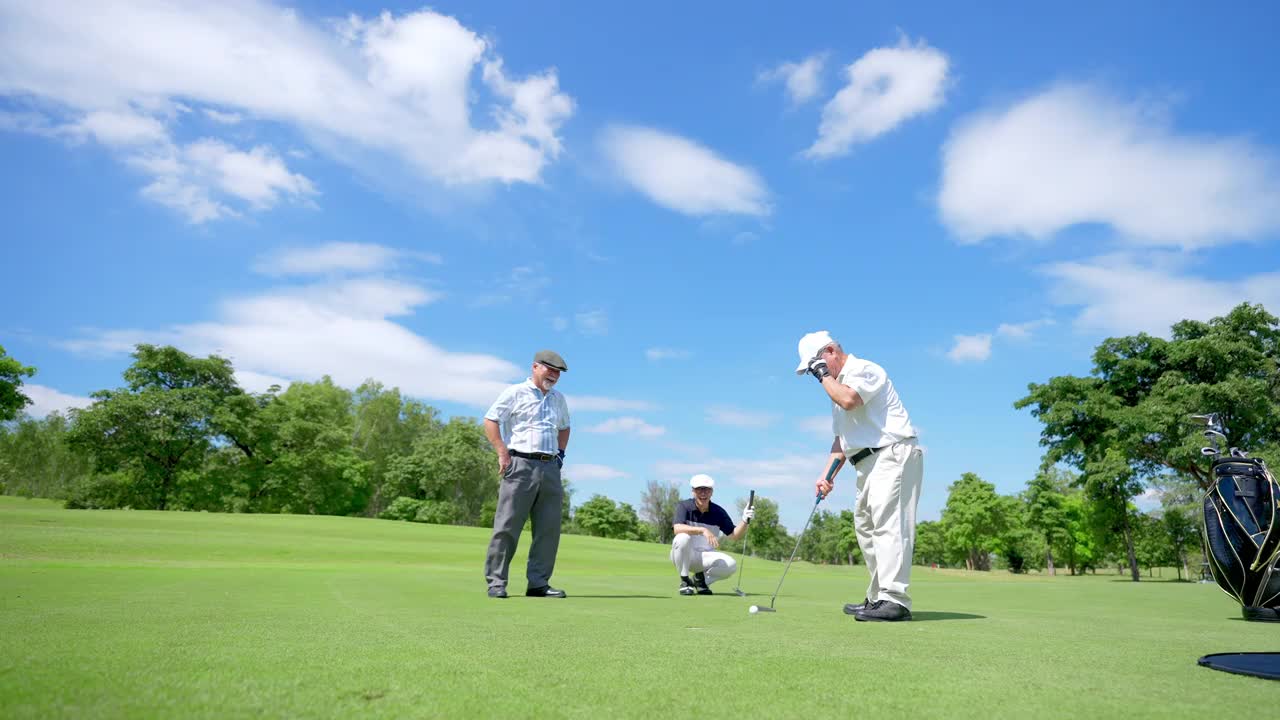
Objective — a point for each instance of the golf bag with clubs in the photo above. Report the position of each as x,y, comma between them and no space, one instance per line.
1242,527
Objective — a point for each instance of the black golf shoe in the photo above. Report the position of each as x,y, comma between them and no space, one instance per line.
883,611
497,593
686,586
851,609
700,582
545,591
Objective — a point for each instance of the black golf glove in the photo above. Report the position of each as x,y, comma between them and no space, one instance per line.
818,369
560,458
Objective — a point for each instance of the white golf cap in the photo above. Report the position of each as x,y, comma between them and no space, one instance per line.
809,347
701,480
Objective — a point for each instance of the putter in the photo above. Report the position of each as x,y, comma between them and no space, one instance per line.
760,608
742,565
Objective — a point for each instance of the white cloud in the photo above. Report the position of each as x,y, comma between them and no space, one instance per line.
341,329
1120,294
977,348
735,417
45,400
775,472
627,426
595,403
586,471
559,324
1022,331
331,257
803,80
397,89
665,353
594,322
224,118
1073,155
819,425
258,383
970,348
887,87
682,175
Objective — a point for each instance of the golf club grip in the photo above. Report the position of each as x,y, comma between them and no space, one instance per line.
751,502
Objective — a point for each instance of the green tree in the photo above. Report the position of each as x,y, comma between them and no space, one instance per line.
154,433
974,517
1046,497
454,464
36,459
386,426
931,543
1132,409
658,508
1181,531
12,401
312,468
602,517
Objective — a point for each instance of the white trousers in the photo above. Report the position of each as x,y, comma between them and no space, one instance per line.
693,554
885,518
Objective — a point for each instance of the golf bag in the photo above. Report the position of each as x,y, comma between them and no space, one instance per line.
1242,533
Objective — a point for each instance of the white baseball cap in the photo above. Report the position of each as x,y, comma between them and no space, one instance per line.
701,480
809,347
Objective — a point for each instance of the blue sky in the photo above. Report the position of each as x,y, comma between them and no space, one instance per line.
670,196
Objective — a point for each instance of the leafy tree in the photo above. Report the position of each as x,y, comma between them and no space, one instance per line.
12,401
1046,497
847,540
602,517
1080,549
155,432
1181,530
1017,544
768,538
453,464
931,543
313,468
36,459
974,517
1151,543
658,508
386,426
1132,410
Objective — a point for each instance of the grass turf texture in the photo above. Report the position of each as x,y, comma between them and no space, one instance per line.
152,614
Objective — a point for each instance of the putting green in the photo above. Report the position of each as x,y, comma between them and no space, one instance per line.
151,614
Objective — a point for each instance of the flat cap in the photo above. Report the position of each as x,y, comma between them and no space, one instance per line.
551,358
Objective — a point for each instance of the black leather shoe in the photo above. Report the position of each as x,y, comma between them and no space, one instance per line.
545,591
497,593
686,586
851,609
883,611
1261,614
700,582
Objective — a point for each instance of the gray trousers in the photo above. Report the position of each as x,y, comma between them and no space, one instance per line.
529,490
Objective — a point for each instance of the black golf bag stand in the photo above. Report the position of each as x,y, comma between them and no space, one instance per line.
1242,528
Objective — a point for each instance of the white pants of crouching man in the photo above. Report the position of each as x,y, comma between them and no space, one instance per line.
693,554
885,518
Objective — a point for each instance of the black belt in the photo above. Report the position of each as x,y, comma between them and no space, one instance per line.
863,454
540,457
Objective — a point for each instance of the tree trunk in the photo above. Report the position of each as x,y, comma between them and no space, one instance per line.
1128,546
1049,556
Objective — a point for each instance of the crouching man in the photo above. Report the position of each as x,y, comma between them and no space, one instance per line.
699,525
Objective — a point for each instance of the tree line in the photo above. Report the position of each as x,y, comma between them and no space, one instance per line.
180,434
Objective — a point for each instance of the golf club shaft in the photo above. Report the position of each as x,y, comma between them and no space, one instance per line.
799,540
746,541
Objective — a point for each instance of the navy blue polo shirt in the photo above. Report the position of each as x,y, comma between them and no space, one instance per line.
715,518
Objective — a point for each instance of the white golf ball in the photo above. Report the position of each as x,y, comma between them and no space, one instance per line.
753,610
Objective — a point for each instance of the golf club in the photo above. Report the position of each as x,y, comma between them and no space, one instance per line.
760,608
742,564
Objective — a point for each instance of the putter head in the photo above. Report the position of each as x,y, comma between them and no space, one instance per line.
738,592
759,609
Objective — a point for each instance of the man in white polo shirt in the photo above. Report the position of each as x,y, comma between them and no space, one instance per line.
528,426
873,432
699,524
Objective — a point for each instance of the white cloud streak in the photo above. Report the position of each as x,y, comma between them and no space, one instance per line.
335,257
735,417
887,86
803,80
627,426
1073,154
970,348
396,88
682,175
45,400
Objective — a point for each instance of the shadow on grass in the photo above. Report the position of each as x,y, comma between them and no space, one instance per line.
925,616
622,597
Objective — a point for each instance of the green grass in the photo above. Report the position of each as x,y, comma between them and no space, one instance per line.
150,614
